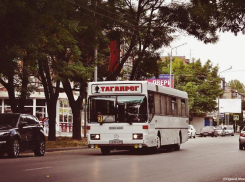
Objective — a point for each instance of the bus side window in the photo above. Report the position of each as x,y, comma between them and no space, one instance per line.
157,100
174,106
169,105
179,107
151,105
183,108
163,104
151,102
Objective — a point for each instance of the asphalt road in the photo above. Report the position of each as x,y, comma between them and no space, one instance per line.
198,160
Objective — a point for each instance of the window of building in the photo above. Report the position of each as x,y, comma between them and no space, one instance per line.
65,113
7,108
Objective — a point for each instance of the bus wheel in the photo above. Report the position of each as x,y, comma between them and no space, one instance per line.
105,150
177,146
158,146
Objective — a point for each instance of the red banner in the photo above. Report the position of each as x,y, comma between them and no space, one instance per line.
114,56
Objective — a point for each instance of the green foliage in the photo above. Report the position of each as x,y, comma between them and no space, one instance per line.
237,85
201,82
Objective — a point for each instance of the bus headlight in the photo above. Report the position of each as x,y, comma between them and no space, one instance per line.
95,136
137,136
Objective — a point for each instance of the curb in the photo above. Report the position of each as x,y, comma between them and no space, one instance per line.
67,148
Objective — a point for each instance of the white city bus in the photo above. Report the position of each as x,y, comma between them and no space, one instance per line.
136,114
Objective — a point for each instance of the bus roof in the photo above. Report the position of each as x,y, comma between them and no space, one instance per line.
145,85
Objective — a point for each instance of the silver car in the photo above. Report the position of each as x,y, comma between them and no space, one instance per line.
220,130
229,131
242,139
191,131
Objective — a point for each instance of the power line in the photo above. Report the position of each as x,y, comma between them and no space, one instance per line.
117,14
93,11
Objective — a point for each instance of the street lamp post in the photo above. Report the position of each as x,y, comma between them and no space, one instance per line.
218,114
171,58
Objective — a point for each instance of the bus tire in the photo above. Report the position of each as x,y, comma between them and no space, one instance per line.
177,147
105,150
157,147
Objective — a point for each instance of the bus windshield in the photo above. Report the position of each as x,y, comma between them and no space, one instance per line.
118,109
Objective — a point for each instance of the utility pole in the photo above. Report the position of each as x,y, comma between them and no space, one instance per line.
95,48
171,58
218,113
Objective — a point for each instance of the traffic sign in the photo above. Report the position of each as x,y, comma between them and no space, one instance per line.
235,117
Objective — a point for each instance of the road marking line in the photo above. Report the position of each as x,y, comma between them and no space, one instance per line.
119,159
37,169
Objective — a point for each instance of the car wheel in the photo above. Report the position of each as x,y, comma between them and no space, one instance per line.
105,150
195,135
240,146
40,150
14,150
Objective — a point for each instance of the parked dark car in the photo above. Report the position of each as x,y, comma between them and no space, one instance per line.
20,132
209,131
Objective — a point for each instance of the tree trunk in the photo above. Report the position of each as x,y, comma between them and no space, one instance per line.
76,106
24,87
51,95
76,123
52,119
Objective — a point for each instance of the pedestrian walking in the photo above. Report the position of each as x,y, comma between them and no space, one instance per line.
46,125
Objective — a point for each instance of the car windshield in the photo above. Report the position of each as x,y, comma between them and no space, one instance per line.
104,109
218,128
8,120
189,126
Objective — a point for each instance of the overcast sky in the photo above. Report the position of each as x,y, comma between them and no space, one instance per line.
228,51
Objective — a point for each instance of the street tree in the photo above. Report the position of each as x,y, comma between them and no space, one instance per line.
147,26
201,82
17,50
37,35
237,85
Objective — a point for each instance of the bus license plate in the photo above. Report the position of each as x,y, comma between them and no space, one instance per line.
115,142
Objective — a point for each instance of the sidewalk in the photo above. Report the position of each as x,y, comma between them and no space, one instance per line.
64,134
65,148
